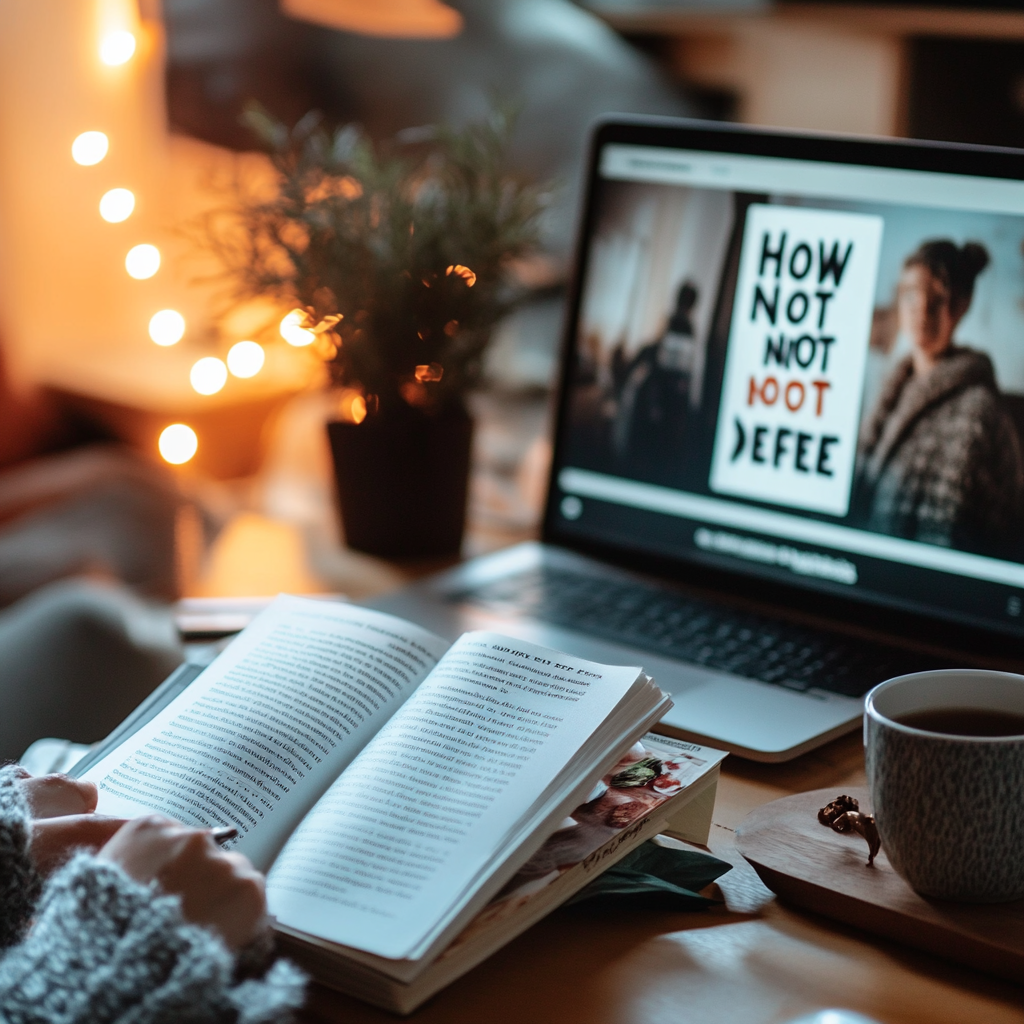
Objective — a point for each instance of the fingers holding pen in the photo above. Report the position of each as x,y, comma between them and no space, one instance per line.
219,890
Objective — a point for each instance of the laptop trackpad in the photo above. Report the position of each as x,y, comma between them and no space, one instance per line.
747,713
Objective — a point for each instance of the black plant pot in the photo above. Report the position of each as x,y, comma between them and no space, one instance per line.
402,482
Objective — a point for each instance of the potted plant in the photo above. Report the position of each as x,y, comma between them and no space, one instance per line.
396,260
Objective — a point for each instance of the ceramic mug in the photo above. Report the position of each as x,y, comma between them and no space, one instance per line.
949,808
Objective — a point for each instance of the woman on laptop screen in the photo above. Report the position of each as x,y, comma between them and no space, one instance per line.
940,460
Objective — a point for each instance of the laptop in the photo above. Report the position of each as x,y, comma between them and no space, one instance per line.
787,450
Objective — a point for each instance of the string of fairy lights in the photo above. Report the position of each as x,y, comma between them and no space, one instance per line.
178,442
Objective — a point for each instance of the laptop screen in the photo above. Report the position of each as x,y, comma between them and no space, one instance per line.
803,370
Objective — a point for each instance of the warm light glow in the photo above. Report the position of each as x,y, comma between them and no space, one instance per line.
429,372
117,205
465,273
326,345
178,443
117,48
142,261
293,332
245,358
89,148
351,407
167,327
208,375
328,187
398,19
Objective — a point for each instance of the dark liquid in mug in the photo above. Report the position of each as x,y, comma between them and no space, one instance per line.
966,721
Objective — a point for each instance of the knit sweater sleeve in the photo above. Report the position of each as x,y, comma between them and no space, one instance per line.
19,884
104,949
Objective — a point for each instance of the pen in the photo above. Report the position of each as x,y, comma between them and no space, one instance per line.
223,834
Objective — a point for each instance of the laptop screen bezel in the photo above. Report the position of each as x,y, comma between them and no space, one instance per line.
873,613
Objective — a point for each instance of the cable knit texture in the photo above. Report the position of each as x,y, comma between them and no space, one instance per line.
19,884
104,949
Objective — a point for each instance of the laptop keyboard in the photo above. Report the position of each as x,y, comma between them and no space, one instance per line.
664,622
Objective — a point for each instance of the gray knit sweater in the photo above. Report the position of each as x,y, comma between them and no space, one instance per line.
940,460
93,946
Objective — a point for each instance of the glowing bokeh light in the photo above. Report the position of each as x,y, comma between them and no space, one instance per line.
89,148
167,327
245,358
178,443
117,48
208,375
465,273
293,332
117,205
142,261
351,406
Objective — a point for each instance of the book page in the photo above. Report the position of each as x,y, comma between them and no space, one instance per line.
404,834
259,736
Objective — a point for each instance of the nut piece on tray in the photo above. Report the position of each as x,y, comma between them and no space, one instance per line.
843,815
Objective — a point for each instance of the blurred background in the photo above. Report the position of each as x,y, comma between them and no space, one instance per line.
120,123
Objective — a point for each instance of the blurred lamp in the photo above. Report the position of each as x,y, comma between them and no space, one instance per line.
293,332
397,19
208,375
178,443
142,261
117,48
167,327
117,205
245,359
89,148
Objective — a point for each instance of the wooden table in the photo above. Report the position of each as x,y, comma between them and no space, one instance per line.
751,961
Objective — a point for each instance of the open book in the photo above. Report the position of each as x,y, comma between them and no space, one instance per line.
629,806
391,785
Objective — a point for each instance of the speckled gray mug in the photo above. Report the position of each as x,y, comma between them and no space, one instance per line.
949,809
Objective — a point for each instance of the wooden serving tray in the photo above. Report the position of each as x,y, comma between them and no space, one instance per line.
811,866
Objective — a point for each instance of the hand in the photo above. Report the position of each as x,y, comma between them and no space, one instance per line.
54,839
50,796
63,820
218,890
